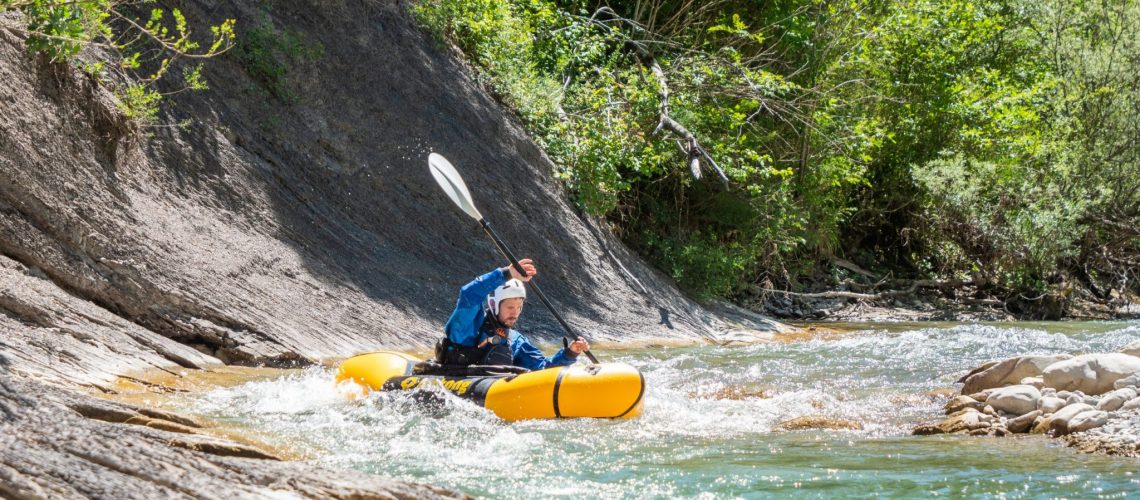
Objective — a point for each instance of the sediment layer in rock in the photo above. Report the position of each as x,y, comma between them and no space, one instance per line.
48,449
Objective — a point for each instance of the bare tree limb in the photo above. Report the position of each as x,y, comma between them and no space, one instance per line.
692,148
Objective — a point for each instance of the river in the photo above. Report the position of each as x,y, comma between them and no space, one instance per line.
708,426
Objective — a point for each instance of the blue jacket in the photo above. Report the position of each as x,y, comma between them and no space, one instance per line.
463,327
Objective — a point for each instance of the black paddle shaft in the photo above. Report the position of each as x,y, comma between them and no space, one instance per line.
534,286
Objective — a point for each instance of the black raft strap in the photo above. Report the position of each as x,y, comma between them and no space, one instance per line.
557,385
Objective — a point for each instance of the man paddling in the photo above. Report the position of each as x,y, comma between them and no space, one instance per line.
481,329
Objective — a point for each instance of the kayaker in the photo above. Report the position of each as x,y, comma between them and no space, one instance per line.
481,329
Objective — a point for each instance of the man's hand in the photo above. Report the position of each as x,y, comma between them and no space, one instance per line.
528,266
579,346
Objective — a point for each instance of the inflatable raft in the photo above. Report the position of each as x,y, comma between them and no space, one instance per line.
606,390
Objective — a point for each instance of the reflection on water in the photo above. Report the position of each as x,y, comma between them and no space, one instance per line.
708,424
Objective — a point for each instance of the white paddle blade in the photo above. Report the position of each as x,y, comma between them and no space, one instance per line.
452,184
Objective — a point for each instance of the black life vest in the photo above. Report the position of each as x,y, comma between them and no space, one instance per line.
494,349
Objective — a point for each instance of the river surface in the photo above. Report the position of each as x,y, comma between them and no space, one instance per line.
708,426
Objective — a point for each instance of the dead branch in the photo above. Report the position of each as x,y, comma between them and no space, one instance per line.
872,297
851,266
690,145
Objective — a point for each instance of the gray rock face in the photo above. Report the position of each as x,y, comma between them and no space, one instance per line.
1015,399
49,450
1091,373
299,243
1007,371
52,334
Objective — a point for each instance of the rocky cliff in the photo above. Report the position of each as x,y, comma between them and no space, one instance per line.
269,230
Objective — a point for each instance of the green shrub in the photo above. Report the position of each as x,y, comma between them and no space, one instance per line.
267,54
147,49
935,138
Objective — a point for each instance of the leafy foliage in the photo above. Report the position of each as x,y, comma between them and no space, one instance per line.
268,52
993,140
147,49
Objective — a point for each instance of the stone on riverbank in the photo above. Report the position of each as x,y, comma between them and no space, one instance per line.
967,420
1022,423
1007,371
1115,399
1086,420
1015,399
1058,423
1119,436
1129,381
1091,401
1091,373
1050,404
1132,349
960,403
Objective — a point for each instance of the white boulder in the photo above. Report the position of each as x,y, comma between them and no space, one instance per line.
1007,372
1131,405
1022,423
1059,421
1132,349
1050,404
1087,420
1129,381
1115,399
960,403
1037,382
1090,373
1015,399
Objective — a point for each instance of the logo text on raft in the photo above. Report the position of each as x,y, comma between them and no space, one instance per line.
457,386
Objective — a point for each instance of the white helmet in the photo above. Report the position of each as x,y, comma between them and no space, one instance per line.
512,289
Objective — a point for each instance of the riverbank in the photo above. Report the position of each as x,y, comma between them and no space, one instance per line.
844,306
1090,400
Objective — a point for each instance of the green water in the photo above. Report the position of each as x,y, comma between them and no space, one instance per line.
708,427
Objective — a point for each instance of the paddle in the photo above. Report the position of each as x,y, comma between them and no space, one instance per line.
452,184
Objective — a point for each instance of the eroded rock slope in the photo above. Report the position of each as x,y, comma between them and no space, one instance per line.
275,229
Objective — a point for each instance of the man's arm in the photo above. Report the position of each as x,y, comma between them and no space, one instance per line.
530,357
463,325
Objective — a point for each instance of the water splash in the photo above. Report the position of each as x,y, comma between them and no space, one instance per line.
708,424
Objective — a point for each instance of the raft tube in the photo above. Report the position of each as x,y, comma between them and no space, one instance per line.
606,390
